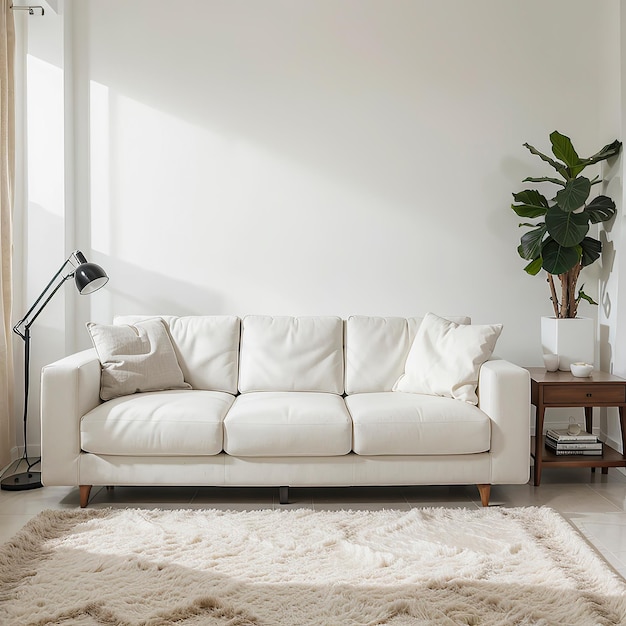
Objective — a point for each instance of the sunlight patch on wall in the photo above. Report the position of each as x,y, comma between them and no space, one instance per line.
99,167
183,201
45,135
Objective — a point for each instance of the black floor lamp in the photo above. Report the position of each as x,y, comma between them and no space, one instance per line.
89,277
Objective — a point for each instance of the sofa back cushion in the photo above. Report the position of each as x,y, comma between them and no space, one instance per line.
291,354
377,348
206,346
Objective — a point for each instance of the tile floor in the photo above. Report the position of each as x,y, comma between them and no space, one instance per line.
594,503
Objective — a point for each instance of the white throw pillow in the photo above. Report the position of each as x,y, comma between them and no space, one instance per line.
445,358
136,358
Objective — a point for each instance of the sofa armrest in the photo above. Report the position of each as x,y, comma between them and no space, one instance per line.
504,395
70,388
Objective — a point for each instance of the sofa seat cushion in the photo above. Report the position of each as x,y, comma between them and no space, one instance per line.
275,423
394,423
163,423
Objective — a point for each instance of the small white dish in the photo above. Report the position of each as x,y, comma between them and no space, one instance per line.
581,370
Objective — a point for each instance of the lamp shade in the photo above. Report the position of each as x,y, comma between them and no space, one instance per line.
89,277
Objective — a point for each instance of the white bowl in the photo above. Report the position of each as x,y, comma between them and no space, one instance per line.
581,370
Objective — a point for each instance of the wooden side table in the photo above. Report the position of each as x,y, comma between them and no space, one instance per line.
563,389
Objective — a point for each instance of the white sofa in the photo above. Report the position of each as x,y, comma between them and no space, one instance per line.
284,401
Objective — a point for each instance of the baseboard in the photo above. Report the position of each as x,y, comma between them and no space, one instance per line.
34,452
612,442
17,454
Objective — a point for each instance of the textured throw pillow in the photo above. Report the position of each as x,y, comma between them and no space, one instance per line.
136,358
445,358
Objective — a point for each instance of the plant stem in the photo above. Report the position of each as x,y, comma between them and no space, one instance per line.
569,305
564,295
573,280
555,300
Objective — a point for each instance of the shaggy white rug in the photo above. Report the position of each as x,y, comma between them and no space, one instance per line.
302,567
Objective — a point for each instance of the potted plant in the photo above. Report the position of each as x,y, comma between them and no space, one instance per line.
560,244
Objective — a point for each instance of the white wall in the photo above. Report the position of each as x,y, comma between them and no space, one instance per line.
314,157
613,263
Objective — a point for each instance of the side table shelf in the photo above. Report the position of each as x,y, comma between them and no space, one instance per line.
562,389
610,457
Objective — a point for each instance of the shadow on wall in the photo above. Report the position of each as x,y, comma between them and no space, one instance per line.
608,283
132,289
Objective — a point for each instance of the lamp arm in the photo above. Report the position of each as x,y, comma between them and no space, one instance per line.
37,308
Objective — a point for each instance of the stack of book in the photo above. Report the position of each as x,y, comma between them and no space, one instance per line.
559,441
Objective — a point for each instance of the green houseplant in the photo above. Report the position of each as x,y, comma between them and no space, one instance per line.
560,244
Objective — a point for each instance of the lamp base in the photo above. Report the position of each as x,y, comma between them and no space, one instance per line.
21,482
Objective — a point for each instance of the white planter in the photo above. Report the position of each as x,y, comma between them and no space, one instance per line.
573,340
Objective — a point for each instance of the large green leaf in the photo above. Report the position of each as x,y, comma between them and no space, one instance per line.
534,267
610,150
558,259
533,204
563,149
530,243
559,167
591,249
583,296
574,194
600,209
544,179
567,229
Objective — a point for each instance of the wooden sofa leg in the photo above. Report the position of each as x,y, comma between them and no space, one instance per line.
283,495
84,495
485,492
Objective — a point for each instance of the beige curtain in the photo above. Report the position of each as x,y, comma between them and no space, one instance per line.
7,185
